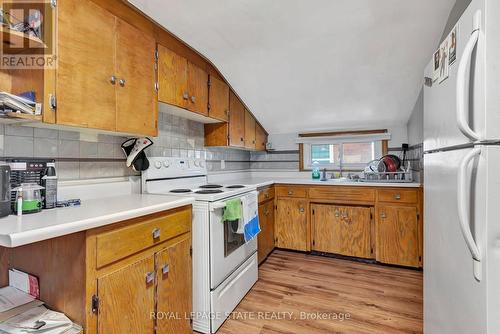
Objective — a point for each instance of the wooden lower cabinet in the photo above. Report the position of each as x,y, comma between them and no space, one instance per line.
398,237
127,299
143,289
174,293
265,240
291,226
344,230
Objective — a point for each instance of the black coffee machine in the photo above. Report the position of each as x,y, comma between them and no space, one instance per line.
4,189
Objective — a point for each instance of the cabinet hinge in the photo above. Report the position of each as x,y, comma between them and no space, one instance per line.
52,102
420,258
157,88
95,304
313,211
371,250
314,242
209,82
53,3
191,251
371,216
156,55
418,216
208,106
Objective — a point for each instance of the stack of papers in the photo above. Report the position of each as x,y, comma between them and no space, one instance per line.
22,313
17,104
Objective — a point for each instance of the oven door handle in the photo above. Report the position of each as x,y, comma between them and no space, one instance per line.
217,206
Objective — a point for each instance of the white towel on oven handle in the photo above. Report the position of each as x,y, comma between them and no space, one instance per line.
250,206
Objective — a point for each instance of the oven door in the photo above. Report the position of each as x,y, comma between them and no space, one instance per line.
228,249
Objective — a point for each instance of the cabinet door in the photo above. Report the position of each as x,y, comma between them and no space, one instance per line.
260,138
174,292
127,299
198,89
265,240
218,99
137,105
86,52
291,228
172,78
341,230
249,130
397,235
236,121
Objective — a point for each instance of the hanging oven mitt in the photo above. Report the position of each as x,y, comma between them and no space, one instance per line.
233,210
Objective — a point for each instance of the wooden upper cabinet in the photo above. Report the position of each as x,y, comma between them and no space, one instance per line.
249,130
236,121
343,230
197,89
127,298
136,110
291,225
86,64
260,138
397,234
174,291
218,99
172,78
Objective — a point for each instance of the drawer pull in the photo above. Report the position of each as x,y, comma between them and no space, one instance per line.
383,216
397,197
185,96
156,233
290,192
301,210
165,269
150,277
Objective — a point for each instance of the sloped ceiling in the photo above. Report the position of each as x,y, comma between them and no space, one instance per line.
303,65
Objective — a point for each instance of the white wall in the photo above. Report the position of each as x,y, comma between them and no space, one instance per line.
415,124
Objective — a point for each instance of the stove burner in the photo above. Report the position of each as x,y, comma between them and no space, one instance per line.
180,191
209,191
236,186
210,186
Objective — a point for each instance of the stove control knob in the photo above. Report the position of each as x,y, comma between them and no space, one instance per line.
158,164
166,163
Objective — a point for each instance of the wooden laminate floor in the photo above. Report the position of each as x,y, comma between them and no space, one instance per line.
292,286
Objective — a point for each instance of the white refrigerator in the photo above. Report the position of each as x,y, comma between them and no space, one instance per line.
462,182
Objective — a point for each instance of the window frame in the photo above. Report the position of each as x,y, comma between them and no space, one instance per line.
379,138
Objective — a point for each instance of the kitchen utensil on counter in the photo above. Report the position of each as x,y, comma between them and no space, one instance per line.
31,197
5,206
391,162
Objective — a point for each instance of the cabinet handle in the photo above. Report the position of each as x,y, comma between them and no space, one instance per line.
397,197
150,277
112,80
165,269
301,210
122,82
266,196
241,139
337,214
156,233
290,192
267,213
193,99
382,215
185,96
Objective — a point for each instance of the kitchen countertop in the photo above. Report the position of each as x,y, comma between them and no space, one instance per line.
93,213
262,182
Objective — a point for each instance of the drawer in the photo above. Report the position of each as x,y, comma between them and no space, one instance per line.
407,196
116,244
291,191
343,194
266,194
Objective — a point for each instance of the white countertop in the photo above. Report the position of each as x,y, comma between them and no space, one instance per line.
92,213
263,181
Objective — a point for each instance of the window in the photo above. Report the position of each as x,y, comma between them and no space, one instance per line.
347,152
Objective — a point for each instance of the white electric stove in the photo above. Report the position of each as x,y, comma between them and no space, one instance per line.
224,265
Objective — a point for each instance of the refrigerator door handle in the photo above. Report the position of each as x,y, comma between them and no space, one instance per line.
462,79
463,211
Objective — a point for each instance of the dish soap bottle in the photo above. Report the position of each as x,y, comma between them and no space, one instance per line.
315,170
